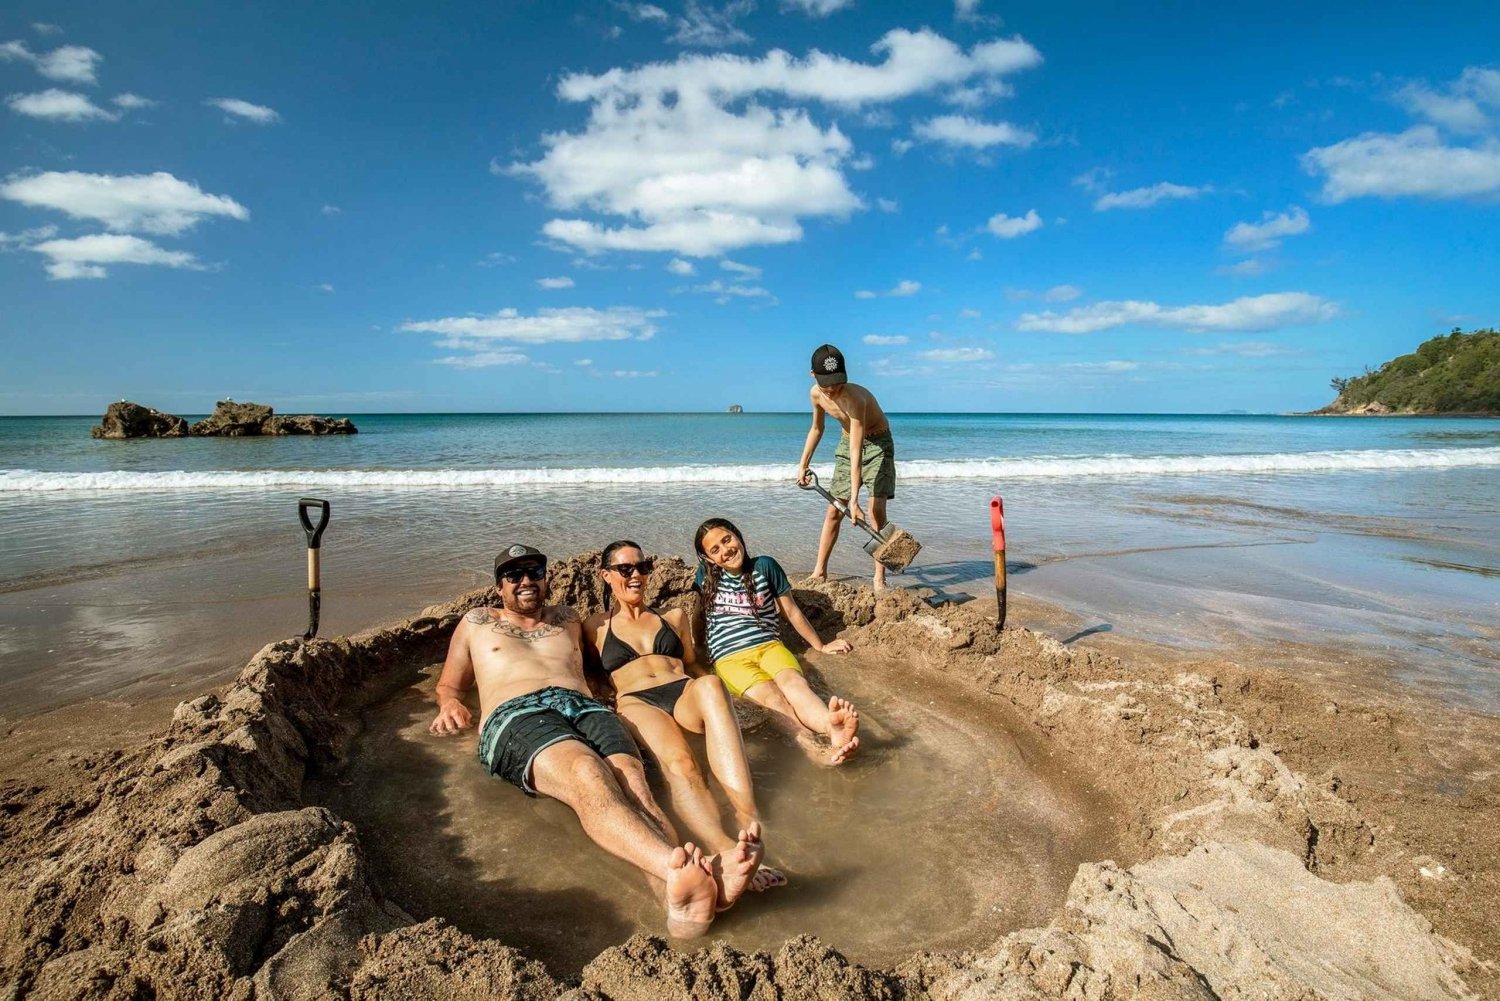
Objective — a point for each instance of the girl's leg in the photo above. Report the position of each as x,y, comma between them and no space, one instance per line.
705,708
768,695
837,720
691,799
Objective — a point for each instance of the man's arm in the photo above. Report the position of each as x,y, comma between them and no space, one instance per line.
456,679
814,435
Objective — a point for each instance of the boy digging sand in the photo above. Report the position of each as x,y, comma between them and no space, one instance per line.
867,434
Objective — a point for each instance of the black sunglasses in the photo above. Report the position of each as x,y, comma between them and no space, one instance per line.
627,569
530,571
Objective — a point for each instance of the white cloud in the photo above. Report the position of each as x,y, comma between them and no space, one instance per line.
555,283
748,270
1143,198
494,259
479,334
1100,367
966,10
70,63
680,267
1415,163
885,340
483,359
632,373
816,8
331,210
969,314
1254,313
955,355
58,105
584,361
979,94
1243,349
325,287
648,12
1467,106
888,205
85,256
901,146
726,292
1254,237
1062,293
43,28
1244,269
710,27
148,203
25,238
905,287
130,102
1009,227
691,156
256,113
961,130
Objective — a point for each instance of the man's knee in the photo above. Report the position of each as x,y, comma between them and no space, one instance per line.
569,766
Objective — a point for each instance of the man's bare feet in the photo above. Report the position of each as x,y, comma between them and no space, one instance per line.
843,721
691,893
736,867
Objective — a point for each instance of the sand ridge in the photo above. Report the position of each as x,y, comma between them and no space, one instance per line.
189,865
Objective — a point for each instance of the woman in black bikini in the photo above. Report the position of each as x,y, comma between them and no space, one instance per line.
659,697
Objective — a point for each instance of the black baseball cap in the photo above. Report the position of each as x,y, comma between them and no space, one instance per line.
517,553
828,366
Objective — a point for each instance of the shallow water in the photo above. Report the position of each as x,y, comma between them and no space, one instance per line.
950,829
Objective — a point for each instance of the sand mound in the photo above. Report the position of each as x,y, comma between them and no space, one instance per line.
190,866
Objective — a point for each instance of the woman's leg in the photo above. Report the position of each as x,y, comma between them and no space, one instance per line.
691,799
705,708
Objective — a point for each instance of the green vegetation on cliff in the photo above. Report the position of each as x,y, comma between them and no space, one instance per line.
1450,374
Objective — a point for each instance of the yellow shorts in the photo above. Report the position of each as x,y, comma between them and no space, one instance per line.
742,671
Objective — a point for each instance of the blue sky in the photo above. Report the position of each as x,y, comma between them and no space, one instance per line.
535,206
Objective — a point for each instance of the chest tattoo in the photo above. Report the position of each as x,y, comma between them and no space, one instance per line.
553,622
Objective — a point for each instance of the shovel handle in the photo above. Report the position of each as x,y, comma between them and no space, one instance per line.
830,498
314,562
997,523
314,532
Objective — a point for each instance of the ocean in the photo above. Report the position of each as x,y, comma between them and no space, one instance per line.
138,566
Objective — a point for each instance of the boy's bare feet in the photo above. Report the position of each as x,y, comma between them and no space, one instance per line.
736,867
691,893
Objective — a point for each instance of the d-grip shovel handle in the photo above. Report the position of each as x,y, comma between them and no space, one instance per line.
830,498
314,569
997,534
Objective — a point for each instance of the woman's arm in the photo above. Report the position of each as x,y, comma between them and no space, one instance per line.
793,614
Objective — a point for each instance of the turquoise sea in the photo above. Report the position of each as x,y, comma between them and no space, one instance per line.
136,565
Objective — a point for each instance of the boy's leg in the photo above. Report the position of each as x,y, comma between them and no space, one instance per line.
877,522
826,540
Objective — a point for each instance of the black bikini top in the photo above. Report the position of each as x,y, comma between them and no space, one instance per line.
616,653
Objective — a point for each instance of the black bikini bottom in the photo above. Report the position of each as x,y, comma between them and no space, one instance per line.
663,697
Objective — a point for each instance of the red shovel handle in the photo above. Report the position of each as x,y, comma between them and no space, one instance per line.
997,523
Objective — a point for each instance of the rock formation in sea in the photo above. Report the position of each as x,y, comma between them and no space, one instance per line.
229,420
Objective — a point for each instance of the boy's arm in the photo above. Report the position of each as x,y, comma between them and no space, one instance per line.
814,435
793,615
856,455
456,679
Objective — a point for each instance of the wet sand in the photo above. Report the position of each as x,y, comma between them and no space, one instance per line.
1274,832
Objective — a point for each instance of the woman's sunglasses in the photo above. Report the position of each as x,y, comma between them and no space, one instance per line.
626,570
530,572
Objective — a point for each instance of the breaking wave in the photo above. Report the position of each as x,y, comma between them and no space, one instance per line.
993,469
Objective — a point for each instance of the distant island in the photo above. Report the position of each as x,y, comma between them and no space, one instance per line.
229,420
735,408
1454,373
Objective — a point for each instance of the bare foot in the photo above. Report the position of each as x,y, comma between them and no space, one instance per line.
815,577
843,721
737,866
815,749
691,893
842,752
766,878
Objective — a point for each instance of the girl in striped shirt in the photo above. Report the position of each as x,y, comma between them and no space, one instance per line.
744,599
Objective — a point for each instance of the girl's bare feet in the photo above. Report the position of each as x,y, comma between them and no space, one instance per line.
691,893
843,721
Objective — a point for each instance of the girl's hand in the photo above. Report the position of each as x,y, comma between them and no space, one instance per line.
835,646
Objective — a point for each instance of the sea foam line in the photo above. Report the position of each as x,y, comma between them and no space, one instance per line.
994,469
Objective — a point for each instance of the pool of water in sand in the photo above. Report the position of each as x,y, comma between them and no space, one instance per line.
953,827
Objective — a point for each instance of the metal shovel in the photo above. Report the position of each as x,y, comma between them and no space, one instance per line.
892,546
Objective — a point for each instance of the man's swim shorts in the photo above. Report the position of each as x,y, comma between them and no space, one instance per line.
744,669
525,726
877,466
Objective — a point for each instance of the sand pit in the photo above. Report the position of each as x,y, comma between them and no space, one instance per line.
217,859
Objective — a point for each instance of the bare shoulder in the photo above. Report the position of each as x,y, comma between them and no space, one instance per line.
675,617
477,616
565,616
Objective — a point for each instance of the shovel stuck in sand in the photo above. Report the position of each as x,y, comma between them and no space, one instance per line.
892,547
314,562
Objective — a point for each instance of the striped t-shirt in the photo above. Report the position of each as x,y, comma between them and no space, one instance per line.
738,620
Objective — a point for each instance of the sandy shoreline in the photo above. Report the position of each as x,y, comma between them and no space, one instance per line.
1280,835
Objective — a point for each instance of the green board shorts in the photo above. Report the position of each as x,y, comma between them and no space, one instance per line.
877,466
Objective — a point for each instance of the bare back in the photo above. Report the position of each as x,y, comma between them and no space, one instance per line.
510,658
854,403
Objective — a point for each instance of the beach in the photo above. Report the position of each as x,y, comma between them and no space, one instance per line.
1239,739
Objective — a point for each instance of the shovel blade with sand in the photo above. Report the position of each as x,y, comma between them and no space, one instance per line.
893,547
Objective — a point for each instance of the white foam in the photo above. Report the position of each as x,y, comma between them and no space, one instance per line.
999,468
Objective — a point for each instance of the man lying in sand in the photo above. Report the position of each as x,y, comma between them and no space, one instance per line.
866,435
544,734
